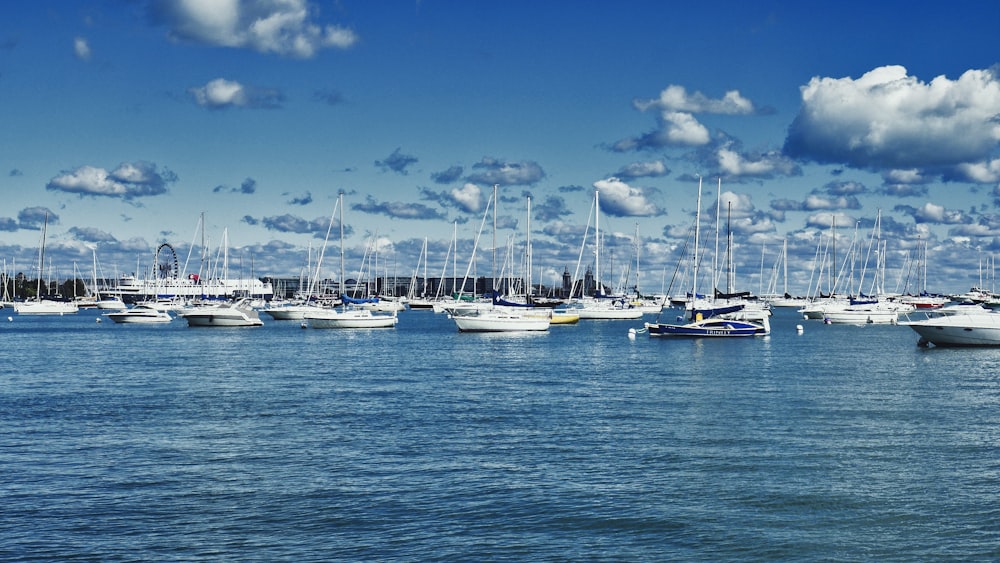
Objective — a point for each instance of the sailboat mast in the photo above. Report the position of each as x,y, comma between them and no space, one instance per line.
41,258
716,272
784,258
597,241
454,261
697,235
527,289
340,204
495,208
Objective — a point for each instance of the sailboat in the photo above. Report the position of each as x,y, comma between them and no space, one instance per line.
602,306
347,316
41,305
112,303
499,315
707,323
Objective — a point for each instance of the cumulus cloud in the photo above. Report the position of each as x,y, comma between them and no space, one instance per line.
301,200
452,174
32,218
554,207
618,199
221,93
986,172
677,98
845,188
676,123
396,162
903,190
888,120
91,234
766,165
468,198
81,49
128,181
933,213
650,169
826,220
248,186
283,27
493,171
289,223
397,209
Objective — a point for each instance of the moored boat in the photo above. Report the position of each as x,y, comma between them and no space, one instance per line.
500,319
966,328
140,313
349,318
237,314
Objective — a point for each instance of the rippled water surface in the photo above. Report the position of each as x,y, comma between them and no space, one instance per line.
278,443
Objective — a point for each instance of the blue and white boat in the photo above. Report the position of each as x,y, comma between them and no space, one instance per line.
712,326
722,321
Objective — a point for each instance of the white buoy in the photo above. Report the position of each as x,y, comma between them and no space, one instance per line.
631,334
98,321
304,324
10,319
798,329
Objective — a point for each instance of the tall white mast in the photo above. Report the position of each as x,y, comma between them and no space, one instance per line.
697,234
597,241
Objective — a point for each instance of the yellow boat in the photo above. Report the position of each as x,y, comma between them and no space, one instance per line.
564,318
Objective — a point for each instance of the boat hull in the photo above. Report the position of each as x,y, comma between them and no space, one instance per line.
362,318
609,314
46,307
209,319
847,316
708,328
232,316
132,316
500,320
979,330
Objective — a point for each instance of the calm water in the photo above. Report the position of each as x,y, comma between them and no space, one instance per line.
123,443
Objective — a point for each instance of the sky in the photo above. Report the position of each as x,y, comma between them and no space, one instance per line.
125,122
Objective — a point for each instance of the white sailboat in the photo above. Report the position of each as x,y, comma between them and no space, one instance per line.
41,305
346,316
494,316
602,306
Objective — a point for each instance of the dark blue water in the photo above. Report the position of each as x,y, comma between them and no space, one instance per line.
124,443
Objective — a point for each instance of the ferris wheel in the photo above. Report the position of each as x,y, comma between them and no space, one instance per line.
166,262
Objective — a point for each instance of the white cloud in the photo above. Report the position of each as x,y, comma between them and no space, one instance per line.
933,213
469,197
887,119
677,98
81,48
732,163
653,168
619,199
677,123
911,176
221,93
682,128
128,181
826,220
284,27
982,172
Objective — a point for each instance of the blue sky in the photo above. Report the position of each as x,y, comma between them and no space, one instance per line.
126,120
